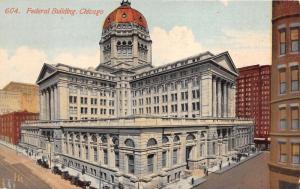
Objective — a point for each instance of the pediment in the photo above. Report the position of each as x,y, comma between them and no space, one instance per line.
46,71
226,62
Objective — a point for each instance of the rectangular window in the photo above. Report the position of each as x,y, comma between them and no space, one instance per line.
86,153
282,82
131,164
164,158
282,152
295,117
295,39
175,156
72,148
295,153
117,161
282,124
150,162
95,154
295,78
198,105
282,42
105,157
79,151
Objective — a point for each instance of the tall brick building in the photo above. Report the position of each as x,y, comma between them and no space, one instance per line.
253,100
10,125
285,96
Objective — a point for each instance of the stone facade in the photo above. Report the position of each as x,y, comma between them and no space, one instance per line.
145,151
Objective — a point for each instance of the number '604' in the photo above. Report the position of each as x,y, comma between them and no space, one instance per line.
11,11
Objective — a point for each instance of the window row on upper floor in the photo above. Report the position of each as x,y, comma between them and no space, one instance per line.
288,40
288,78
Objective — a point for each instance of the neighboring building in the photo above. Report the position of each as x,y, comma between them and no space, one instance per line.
253,100
134,124
10,125
19,97
9,101
285,96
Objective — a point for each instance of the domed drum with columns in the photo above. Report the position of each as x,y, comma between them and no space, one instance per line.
125,41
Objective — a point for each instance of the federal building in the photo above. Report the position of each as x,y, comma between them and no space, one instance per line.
129,124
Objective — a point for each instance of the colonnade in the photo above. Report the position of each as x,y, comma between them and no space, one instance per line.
223,102
49,103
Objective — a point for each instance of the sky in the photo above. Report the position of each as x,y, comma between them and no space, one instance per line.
178,29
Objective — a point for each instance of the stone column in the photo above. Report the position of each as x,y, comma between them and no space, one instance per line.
182,151
190,107
63,101
225,114
52,102
206,95
229,101
170,152
219,98
233,100
41,105
110,151
179,114
214,85
55,102
98,148
47,117
169,101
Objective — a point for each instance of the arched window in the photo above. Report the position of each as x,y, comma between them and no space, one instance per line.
165,139
176,139
115,140
85,138
94,138
124,43
190,137
119,43
104,139
77,137
129,143
151,142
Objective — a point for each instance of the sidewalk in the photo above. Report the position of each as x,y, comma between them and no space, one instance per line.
12,157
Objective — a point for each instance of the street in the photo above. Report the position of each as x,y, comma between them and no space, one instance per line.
14,176
19,172
251,174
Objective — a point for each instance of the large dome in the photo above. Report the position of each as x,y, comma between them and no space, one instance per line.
125,14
